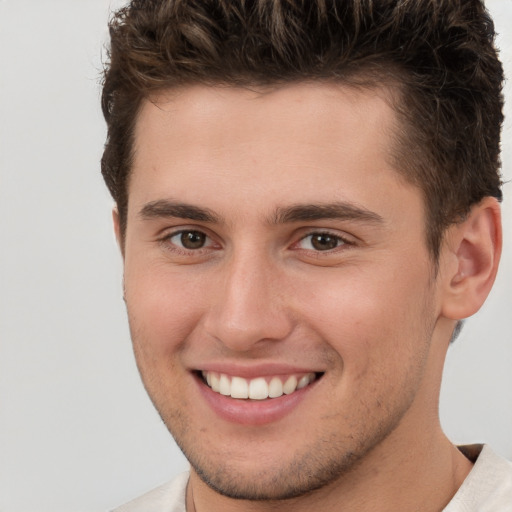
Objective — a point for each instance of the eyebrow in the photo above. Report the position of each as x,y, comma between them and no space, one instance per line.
338,210
165,208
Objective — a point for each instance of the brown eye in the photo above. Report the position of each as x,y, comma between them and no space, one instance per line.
324,242
189,242
321,242
192,239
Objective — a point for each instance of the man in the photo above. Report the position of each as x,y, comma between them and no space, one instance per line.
307,207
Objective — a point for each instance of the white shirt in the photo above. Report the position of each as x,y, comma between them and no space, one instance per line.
487,488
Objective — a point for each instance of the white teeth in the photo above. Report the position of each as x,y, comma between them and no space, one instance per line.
215,382
290,385
258,389
303,382
239,388
224,385
255,389
275,388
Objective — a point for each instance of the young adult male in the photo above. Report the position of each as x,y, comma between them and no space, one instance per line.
307,207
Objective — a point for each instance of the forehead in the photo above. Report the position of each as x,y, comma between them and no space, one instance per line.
291,143
308,109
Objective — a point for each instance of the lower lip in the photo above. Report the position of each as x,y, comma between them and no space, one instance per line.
252,412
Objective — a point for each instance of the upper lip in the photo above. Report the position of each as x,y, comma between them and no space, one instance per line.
251,371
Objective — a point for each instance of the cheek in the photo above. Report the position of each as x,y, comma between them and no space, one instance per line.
163,307
162,313
374,322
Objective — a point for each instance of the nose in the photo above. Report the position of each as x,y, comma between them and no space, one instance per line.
250,307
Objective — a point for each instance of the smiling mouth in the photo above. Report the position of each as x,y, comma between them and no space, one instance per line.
259,388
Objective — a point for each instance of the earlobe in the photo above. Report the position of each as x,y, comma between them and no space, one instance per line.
475,247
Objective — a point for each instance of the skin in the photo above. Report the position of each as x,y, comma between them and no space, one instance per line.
371,313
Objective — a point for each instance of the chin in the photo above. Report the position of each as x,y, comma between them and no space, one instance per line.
281,477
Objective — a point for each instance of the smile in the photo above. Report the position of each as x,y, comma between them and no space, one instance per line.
259,388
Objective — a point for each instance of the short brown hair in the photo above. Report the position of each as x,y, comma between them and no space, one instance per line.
440,54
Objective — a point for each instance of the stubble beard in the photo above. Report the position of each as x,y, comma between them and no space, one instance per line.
324,459
303,475
319,464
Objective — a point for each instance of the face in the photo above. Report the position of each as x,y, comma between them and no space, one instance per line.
280,295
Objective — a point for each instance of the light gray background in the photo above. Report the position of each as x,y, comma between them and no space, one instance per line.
77,432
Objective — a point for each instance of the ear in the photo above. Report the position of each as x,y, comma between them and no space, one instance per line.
117,229
473,252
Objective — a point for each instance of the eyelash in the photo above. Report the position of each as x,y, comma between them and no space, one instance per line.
341,242
166,240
